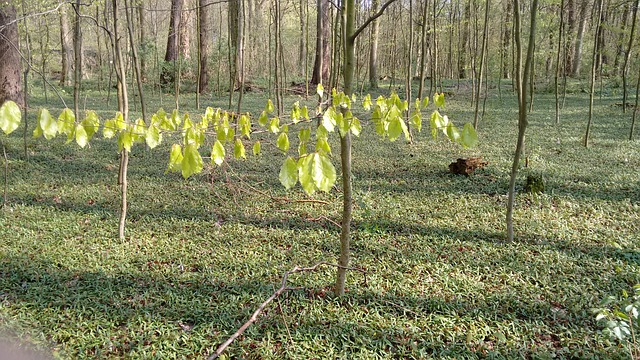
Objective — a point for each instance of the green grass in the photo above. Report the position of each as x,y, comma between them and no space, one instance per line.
201,254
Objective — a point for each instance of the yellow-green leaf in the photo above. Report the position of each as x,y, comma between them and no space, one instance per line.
263,119
320,90
192,161
274,125
109,129
217,153
175,158
283,142
91,123
469,137
269,107
439,99
289,173
81,136
238,150
47,124
10,115
256,148
323,172
153,136
356,127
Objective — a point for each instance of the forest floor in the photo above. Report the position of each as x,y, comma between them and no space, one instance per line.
201,254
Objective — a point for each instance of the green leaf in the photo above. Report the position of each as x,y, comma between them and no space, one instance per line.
91,123
329,119
37,132
396,127
366,103
295,112
175,119
343,124
304,112
175,158
416,120
320,90
356,127
109,129
125,141
245,126
305,167
66,123
283,142
81,136
153,136
289,173
304,134
256,148
322,146
192,161
238,150
217,153
302,148
263,119
138,131
439,99
119,121
425,102
452,132
469,137
47,124
10,116
269,107
274,125
323,172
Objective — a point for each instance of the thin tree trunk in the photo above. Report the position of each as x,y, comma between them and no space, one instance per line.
482,56
593,71
423,44
627,56
323,53
66,48
123,106
204,23
136,64
77,49
506,40
521,85
373,50
635,108
25,118
557,73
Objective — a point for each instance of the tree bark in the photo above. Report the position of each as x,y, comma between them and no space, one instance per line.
593,71
373,49
10,85
482,56
77,49
204,45
521,85
462,64
627,56
167,75
577,48
186,21
66,48
323,54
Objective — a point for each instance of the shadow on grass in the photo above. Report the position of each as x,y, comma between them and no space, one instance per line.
117,313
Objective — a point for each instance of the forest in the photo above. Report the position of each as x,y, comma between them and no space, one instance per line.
296,179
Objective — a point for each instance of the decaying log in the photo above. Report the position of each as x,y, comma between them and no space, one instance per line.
465,166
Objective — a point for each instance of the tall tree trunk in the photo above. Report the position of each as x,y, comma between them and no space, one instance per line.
466,19
620,41
143,38
600,4
557,73
236,35
134,53
577,47
482,56
323,54
66,37
521,85
10,85
571,36
167,75
627,55
77,49
204,44
423,46
301,43
186,23
373,49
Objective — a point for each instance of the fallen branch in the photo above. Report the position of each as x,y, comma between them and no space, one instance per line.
278,292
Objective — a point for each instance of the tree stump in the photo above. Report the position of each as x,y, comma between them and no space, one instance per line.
534,184
465,166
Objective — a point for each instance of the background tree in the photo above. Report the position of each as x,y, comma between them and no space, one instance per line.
10,68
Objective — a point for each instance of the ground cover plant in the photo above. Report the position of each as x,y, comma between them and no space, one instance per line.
441,281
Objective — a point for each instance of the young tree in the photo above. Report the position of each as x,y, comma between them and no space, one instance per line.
521,77
66,47
10,85
204,25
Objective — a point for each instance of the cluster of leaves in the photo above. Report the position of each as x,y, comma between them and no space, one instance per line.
312,167
620,315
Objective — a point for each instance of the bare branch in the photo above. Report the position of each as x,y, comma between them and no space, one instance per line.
278,292
371,18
